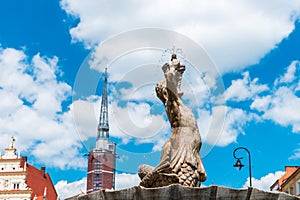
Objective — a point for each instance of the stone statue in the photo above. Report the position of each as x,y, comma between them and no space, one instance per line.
180,160
11,143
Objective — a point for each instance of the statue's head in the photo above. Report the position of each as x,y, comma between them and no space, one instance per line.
173,56
161,91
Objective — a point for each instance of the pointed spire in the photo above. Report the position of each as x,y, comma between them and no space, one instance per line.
103,126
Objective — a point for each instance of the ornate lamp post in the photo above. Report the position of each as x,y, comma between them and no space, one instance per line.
239,164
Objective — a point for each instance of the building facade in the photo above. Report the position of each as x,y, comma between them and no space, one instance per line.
102,159
292,184
20,180
289,182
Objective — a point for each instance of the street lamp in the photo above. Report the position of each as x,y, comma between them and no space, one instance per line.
239,164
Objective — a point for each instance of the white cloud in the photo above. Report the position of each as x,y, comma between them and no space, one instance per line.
296,155
65,189
264,182
243,89
277,104
135,121
9,103
126,181
235,120
289,76
140,114
298,86
280,107
249,29
261,103
85,113
233,124
32,110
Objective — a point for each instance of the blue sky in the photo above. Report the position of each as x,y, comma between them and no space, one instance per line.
52,54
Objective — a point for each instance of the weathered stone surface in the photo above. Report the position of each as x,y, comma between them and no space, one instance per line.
178,192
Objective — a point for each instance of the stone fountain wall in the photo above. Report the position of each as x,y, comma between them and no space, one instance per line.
178,192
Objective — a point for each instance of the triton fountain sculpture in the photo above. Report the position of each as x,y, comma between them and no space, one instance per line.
180,160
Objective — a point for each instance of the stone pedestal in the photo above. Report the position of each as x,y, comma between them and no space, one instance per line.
178,192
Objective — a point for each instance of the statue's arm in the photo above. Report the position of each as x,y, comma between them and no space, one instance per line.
165,67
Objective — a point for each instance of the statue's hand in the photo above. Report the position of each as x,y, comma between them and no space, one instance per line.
180,68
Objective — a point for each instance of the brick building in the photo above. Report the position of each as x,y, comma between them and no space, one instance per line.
101,168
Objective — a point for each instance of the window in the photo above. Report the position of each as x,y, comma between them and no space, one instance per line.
5,185
97,180
291,190
98,166
16,186
97,185
298,187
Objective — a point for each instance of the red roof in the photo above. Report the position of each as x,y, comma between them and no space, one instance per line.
290,177
38,180
289,171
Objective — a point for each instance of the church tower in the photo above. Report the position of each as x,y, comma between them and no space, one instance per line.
102,159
